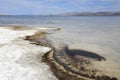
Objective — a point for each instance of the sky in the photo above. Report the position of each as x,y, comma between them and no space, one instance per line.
36,7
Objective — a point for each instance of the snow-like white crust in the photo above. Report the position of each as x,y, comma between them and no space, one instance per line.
20,60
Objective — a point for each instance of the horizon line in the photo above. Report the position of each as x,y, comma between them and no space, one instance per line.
55,13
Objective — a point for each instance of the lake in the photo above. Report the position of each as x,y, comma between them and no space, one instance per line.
99,34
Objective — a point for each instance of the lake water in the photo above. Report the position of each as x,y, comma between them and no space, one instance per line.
96,34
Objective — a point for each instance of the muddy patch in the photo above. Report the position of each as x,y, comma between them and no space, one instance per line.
69,64
79,62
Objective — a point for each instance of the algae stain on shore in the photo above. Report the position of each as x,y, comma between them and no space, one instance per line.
68,64
57,69
80,65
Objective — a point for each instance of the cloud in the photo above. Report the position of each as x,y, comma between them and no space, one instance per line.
56,6
26,7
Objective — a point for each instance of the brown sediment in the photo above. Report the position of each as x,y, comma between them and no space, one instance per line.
67,64
59,70
79,64
32,28
58,29
56,68
20,28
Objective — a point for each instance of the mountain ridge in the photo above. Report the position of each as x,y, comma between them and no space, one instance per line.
112,13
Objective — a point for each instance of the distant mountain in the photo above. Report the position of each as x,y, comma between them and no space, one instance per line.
114,13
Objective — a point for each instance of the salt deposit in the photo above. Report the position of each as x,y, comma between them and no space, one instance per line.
20,60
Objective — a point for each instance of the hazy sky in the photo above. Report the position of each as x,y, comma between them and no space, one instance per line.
56,6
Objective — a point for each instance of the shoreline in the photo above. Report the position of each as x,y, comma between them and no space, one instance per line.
61,70
21,59
64,73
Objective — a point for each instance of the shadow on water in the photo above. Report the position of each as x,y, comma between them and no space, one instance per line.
74,52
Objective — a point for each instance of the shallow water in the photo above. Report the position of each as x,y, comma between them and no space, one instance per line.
96,34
